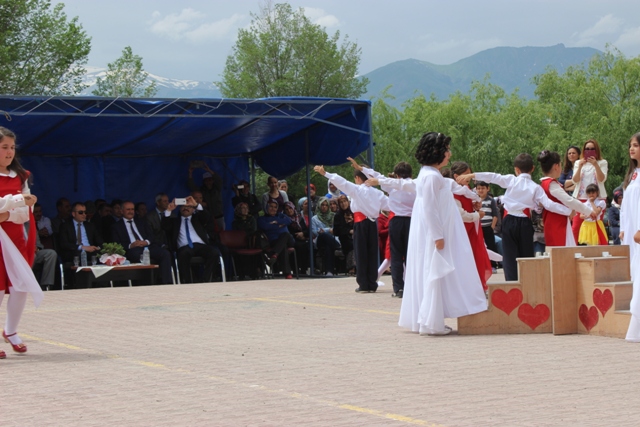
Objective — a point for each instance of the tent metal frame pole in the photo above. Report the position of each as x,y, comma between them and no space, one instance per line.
309,214
253,175
370,151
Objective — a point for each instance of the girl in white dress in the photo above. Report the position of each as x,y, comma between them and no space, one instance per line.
630,231
440,281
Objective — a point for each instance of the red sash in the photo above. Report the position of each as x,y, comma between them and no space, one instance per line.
358,217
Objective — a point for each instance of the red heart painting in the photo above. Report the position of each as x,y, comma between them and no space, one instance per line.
588,316
603,300
533,316
506,302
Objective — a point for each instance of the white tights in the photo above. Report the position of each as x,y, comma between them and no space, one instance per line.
383,267
15,307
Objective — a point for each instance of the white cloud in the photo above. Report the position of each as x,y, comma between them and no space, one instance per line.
629,41
320,17
191,25
606,26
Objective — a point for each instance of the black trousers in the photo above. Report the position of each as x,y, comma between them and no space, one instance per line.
327,246
399,245
185,253
490,241
279,247
517,242
365,246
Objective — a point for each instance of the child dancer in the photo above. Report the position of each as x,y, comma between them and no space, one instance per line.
401,205
521,196
471,220
557,227
630,231
438,282
592,231
366,203
16,256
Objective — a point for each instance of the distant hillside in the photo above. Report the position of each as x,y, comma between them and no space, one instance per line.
509,68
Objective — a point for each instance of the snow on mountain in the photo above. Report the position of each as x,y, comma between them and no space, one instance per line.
167,88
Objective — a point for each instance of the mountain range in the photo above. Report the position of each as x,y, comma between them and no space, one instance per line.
507,67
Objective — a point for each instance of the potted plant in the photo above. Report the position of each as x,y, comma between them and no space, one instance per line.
112,254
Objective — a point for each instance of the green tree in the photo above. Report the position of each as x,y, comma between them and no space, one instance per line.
41,51
283,53
126,78
600,100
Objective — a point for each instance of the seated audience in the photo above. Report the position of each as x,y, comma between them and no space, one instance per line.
44,265
211,193
246,222
64,214
154,219
77,235
43,225
343,230
244,195
322,233
274,225
135,235
280,197
300,232
188,238
141,210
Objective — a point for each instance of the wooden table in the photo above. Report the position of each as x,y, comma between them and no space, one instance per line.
121,272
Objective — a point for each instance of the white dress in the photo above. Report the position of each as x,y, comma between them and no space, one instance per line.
630,223
438,283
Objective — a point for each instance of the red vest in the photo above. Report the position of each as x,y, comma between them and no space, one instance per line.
16,231
483,264
555,225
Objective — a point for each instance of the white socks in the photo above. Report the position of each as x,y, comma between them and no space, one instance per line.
15,307
383,267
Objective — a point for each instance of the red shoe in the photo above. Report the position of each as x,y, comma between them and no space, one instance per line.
18,348
289,276
3,355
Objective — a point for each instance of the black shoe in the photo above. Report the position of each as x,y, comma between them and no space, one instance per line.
362,291
400,292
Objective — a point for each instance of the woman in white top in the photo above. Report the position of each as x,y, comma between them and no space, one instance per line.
630,231
590,169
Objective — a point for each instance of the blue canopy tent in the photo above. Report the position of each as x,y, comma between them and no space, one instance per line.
85,148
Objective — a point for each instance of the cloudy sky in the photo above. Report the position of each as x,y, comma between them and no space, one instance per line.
190,39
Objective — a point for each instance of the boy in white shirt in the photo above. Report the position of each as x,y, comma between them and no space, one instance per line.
521,197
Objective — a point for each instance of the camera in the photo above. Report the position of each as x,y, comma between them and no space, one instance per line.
240,187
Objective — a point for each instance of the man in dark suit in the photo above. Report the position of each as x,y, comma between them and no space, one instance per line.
154,219
78,234
189,238
134,235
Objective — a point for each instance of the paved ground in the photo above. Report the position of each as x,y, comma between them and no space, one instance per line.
296,353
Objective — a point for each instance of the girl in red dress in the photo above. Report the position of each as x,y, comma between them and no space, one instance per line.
14,212
471,217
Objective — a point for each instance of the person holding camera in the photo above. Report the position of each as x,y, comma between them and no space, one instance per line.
590,169
211,191
243,195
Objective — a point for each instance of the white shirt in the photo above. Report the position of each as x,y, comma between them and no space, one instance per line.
367,200
182,236
128,224
400,202
600,204
522,193
44,223
588,176
83,234
408,185
558,192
